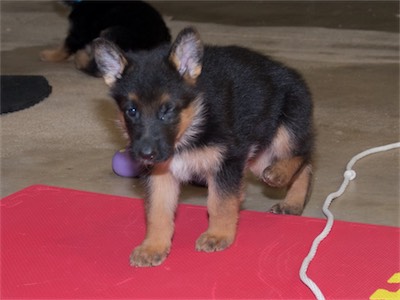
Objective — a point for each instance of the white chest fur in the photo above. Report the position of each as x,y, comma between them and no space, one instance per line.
197,162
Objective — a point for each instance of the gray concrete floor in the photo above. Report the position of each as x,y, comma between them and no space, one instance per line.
365,15
356,102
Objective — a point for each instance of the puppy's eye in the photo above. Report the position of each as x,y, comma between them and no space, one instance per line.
166,113
132,112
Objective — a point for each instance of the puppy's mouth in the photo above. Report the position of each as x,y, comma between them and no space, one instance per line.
151,159
148,162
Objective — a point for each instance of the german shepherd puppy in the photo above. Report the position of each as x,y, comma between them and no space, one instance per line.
211,112
132,25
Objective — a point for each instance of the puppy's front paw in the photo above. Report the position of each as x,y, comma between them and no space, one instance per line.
209,243
148,256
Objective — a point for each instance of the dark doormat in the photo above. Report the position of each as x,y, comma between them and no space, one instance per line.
22,91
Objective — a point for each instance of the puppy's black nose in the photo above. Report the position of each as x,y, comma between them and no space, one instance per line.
147,153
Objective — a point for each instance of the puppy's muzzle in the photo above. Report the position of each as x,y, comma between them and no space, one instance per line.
147,153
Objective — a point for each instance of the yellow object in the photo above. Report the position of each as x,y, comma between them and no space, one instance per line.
382,294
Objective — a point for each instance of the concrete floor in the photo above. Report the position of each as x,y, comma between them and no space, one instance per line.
347,51
365,15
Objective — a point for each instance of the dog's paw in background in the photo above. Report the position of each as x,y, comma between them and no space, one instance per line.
54,55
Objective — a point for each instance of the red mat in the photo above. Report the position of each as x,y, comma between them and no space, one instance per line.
61,243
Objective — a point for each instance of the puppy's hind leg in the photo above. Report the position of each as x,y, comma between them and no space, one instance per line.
277,167
297,192
280,173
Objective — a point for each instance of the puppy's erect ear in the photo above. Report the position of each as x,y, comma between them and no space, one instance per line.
187,54
110,60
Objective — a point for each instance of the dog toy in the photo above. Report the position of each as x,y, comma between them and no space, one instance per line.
124,165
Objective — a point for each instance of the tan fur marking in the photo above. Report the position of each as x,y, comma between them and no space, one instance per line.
113,76
164,192
298,192
54,55
82,59
196,71
280,149
163,198
223,219
191,121
175,61
282,171
187,116
282,143
223,214
165,97
191,77
133,97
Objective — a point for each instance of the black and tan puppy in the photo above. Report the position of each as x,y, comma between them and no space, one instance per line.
132,25
211,112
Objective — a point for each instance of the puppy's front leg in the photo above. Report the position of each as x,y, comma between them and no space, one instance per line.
163,191
223,209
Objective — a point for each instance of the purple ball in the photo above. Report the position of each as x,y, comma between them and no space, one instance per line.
123,164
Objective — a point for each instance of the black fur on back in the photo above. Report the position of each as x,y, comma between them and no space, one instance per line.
249,95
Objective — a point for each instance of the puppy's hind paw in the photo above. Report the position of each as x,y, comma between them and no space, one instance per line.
285,209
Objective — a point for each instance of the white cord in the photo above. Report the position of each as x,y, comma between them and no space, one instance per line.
349,175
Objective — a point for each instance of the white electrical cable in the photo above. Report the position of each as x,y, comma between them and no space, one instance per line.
349,175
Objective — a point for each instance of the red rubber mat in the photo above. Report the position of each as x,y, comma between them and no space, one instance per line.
62,243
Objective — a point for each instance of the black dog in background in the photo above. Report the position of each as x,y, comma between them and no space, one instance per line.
132,25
